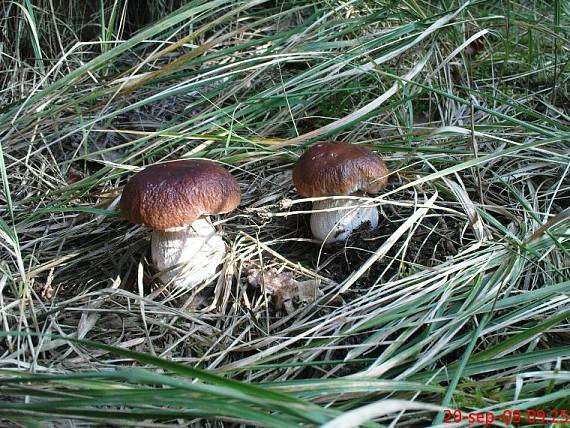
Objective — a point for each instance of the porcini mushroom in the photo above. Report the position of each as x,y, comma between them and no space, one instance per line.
175,199
338,169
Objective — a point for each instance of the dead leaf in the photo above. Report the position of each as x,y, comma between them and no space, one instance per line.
287,293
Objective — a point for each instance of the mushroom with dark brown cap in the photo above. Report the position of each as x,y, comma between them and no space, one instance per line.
175,199
339,169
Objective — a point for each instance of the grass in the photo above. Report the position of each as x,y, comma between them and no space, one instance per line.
458,301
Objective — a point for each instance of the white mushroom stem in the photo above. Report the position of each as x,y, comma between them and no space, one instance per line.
343,216
187,256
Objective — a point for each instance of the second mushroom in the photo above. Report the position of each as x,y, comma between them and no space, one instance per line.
339,169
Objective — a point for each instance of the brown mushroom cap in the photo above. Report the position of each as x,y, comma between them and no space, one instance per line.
334,169
175,194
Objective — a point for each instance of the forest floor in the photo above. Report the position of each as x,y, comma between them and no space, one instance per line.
459,300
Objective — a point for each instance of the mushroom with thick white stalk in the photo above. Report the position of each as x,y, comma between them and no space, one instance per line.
175,199
339,169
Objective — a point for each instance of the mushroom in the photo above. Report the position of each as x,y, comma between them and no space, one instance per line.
336,169
175,199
